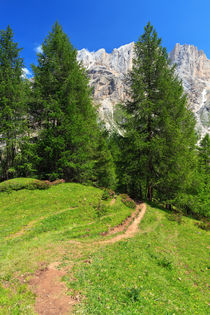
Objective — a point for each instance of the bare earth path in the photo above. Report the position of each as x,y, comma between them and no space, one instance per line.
132,228
51,298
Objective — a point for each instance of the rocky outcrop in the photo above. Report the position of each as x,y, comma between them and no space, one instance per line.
107,77
107,74
193,67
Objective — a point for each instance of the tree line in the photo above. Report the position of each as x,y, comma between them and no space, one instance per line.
49,128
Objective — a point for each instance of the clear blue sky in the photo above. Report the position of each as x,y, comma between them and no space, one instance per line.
94,24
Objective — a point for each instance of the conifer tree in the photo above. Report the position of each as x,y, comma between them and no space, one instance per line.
204,156
69,139
203,171
104,167
12,107
159,140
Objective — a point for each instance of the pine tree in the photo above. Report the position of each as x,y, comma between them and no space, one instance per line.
104,167
204,155
69,139
203,176
159,140
12,120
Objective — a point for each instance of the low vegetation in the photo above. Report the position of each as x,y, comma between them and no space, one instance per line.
23,183
154,272
32,221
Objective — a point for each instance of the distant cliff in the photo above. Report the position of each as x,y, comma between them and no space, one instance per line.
107,77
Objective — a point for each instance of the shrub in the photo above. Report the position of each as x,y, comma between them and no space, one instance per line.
175,216
38,184
204,225
108,194
128,201
22,183
100,210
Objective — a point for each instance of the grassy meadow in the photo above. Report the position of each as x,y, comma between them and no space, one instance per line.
162,270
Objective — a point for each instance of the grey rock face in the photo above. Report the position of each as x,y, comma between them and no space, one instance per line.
107,77
193,67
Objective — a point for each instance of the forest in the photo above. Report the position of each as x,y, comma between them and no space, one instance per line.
50,128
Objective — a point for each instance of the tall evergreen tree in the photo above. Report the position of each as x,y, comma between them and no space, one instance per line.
159,138
69,139
204,156
203,171
12,91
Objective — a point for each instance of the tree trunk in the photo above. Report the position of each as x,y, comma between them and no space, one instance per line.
149,192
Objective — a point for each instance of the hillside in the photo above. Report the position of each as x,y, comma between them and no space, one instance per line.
62,240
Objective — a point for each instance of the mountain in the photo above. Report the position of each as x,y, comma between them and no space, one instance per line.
193,67
107,73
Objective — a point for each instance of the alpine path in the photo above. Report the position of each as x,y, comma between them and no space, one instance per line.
51,298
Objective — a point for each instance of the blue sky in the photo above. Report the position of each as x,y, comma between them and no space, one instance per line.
94,24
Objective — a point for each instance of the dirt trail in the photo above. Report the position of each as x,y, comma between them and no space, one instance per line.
51,298
132,228
112,202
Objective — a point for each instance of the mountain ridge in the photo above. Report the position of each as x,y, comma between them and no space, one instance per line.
107,73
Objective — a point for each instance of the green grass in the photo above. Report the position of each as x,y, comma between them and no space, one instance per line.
22,183
162,270
35,224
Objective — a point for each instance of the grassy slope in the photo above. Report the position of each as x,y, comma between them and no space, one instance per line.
161,271
34,225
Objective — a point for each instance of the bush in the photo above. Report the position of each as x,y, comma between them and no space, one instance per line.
128,201
23,183
38,184
175,216
108,194
196,205
100,210
204,225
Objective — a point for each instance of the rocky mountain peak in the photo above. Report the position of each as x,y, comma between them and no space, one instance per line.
193,67
107,73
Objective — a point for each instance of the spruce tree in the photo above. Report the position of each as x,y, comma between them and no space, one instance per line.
159,139
68,142
203,187
204,156
12,108
104,167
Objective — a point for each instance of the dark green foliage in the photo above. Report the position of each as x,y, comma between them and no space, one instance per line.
104,166
195,199
128,201
133,294
108,194
68,139
158,147
175,216
12,104
100,209
105,195
204,225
